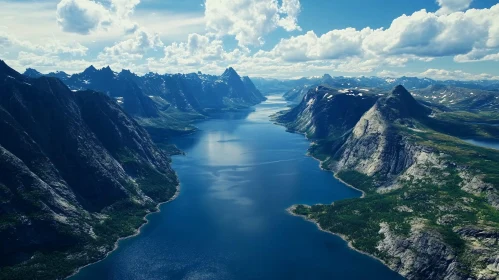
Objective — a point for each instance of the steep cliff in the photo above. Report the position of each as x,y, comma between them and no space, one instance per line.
430,205
76,174
327,113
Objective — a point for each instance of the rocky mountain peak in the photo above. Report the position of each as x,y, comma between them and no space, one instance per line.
401,104
107,69
32,73
402,93
125,73
230,73
90,69
326,76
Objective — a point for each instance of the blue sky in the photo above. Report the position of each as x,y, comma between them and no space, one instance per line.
440,39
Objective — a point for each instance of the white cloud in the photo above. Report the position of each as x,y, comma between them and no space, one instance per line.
82,16
124,35
47,62
290,8
85,16
450,6
335,44
466,36
198,50
430,35
50,46
138,44
250,20
442,75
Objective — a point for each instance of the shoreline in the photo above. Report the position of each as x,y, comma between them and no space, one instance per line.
308,154
136,233
335,176
290,209
158,206
342,236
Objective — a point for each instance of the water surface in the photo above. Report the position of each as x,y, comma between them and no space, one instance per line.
484,143
229,222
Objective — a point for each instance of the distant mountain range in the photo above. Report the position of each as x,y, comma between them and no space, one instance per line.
165,104
76,174
295,89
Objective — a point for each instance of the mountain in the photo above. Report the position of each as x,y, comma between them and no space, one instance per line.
430,200
32,73
199,93
296,89
459,98
326,112
167,104
77,174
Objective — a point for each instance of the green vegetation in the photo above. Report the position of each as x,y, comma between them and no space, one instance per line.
485,117
479,160
437,200
120,219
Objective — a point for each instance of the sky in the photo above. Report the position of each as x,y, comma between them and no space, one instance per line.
438,39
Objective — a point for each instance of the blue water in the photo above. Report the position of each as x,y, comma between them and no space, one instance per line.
229,222
484,143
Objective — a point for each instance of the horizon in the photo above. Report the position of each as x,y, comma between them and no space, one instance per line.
436,39
252,77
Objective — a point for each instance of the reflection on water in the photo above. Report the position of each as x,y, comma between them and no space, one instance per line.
239,175
484,143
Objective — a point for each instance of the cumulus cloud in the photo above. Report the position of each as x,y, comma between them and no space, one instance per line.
332,45
431,35
133,48
466,36
290,8
197,50
250,20
82,16
450,6
51,46
47,62
452,31
85,16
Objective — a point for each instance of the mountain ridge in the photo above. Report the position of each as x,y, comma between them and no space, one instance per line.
421,185
167,104
80,173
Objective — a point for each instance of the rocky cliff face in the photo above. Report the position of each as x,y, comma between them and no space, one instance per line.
421,187
375,147
77,173
328,113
